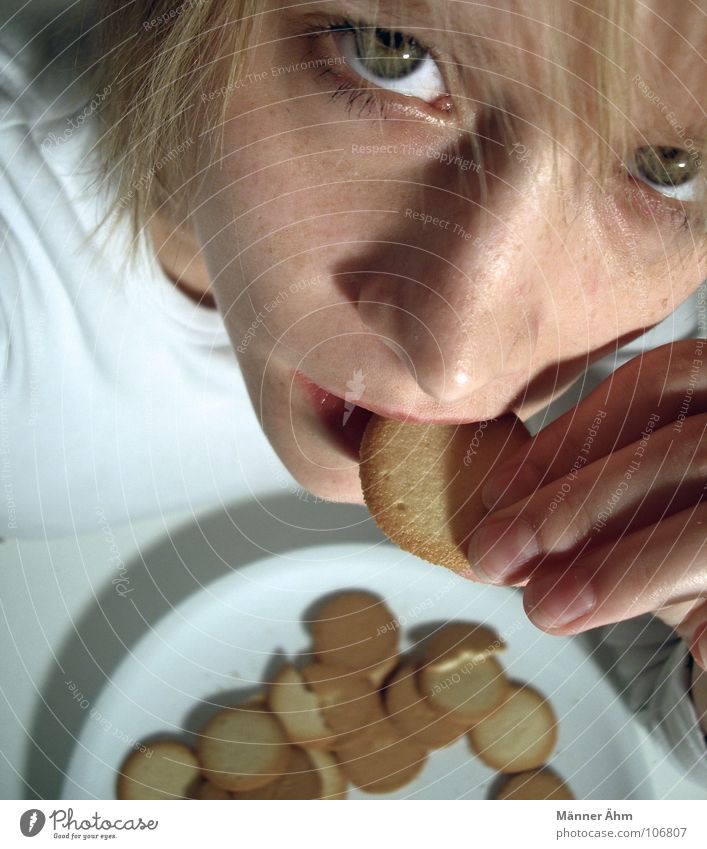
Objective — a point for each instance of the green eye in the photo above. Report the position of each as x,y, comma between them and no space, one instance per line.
665,166
392,61
388,55
670,171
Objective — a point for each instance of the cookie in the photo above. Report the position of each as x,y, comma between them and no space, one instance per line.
422,483
333,780
166,769
460,641
366,734
413,717
538,784
377,675
300,780
207,790
243,748
298,709
463,689
348,701
383,763
518,736
322,706
356,630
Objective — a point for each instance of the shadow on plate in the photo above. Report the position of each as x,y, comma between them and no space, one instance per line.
158,579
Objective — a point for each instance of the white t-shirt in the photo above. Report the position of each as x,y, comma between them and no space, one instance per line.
121,398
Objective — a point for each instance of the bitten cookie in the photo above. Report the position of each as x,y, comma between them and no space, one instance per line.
322,706
462,641
466,690
422,483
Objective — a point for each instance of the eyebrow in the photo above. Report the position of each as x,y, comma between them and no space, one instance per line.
417,9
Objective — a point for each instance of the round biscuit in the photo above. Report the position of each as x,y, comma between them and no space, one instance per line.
300,780
348,700
519,735
422,483
166,769
537,784
355,630
464,690
208,790
365,734
383,763
243,748
413,717
460,641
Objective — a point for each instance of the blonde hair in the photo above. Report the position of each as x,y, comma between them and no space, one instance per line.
158,58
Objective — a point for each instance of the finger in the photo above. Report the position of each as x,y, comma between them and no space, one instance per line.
669,382
643,483
689,619
698,638
642,572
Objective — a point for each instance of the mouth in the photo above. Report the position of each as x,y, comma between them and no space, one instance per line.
433,416
343,419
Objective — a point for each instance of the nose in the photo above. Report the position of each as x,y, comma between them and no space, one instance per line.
459,296
428,331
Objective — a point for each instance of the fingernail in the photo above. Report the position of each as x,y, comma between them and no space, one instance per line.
500,548
503,484
553,601
699,646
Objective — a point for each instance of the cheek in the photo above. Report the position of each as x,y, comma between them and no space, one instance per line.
299,219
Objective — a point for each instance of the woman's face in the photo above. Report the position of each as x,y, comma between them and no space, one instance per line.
364,262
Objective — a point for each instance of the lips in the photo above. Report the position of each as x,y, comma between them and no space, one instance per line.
433,415
344,420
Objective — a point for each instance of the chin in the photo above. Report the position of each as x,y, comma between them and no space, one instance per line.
341,487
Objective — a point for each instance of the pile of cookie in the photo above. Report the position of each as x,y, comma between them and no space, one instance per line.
361,714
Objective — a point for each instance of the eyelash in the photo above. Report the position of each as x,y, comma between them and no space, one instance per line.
351,93
375,98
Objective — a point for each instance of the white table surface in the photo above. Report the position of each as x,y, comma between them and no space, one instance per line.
47,588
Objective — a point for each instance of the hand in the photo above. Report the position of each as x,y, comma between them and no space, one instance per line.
603,515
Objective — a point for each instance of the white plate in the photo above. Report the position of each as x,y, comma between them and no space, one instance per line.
226,639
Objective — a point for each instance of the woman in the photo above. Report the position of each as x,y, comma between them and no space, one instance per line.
435,211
